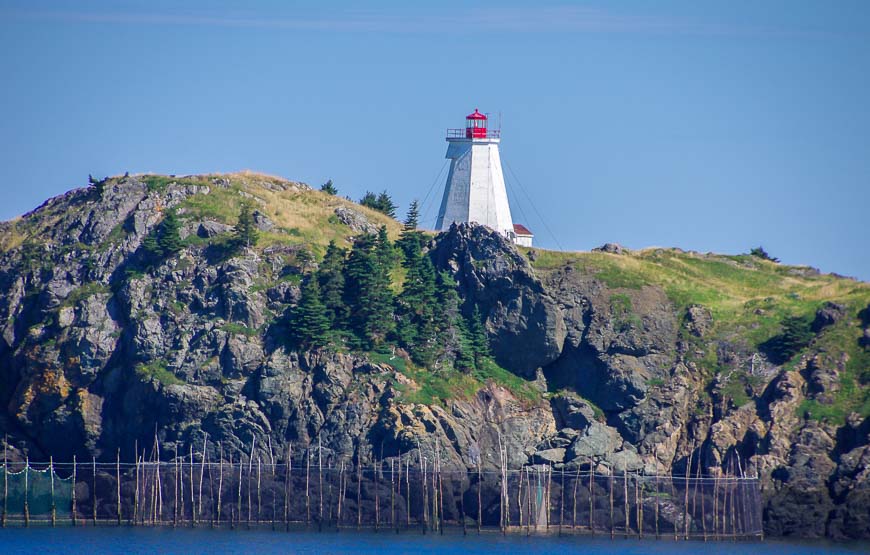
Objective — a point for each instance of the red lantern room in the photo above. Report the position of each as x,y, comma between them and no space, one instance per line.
475,126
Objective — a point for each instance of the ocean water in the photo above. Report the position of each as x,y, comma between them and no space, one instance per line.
94,541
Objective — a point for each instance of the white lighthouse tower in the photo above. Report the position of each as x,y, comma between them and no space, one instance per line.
475,190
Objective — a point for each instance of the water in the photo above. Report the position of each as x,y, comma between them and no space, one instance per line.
151,541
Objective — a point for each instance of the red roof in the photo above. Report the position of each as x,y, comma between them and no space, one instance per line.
475,115
520,229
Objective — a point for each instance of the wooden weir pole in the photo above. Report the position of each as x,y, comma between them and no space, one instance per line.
591,497
6,479
136,475
117,482
320,479
250,477
561,501
94,502
408,490
686,501
612,526
440,496
625,502
192,491
658,500
377,496
73,511
288,467
220,480
239,498
340,495
703,509
307,490
479,488
638,504
716,506
201,475
529,503
674,496
574,499
175,488
53,506
359,477
26,505
259,493
392,497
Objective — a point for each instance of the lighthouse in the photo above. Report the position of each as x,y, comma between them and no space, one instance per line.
475,189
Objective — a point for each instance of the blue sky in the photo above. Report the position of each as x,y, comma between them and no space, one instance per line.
711,127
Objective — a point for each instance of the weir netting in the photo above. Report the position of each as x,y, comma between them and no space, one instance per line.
381,496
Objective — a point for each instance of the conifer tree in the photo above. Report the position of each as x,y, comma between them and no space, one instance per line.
245,232
369,200
464,352
411,241
385,204
417,305
380,298
169,239
450,328
477,337
330,277
151,248
329,188
359,272
310,322
412,220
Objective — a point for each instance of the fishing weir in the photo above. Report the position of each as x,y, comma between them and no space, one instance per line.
406,493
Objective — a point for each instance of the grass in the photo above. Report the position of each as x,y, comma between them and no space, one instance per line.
84,292
854,392
236,328
743,293
436,387
158,371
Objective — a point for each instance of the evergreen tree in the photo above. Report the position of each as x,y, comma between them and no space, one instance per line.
450,329
464,351
359,273
169,239
417,329
310,321
796,335
385,204
331,281
761,253
151,251
245,232
412,220
380,298
477,337
411,241
382,203
369,200
329,188
162,242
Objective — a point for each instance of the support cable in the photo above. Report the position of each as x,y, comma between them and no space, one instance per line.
424,207
535,208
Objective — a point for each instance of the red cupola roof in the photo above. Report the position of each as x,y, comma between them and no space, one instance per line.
475,128
476,115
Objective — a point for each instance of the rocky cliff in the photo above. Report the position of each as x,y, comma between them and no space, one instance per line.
649,360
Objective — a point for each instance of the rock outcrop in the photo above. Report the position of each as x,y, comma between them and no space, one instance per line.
96,354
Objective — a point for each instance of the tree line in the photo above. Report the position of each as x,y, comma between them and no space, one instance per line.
350,300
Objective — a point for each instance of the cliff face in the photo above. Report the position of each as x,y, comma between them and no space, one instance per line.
633,360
